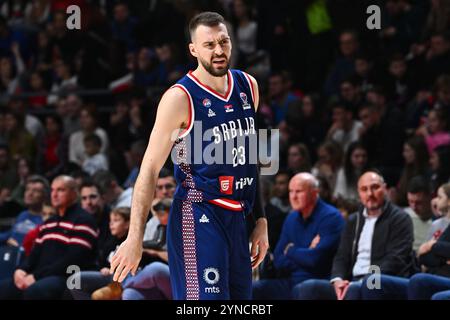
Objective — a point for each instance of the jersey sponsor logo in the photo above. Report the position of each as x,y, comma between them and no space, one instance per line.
211,113
206,103
245,104
226,184
211,275
243,182
228,108
204,219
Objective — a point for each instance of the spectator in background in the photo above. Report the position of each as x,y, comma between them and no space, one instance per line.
88,122
64,81
114,195
415,155
400,83
437,58
344,65
401,25
136,155
329,162
37,192
280,191
92,280
355,163
246,30
298,158
32,123
38,87
305,119
378,234
93,202
10,73
42,274
435,130
308,240
52,153
169,69
419,209
20,141
280,95
24,170
383,139
95,160
70,113
165,188
350,93
365,72
145,73
153,281
438,19
42,57
8,178
344,129
440,170
441,206
123,26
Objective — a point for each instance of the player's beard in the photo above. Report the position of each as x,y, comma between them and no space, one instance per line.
214,71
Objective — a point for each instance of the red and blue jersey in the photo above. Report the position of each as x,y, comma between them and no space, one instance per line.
216,154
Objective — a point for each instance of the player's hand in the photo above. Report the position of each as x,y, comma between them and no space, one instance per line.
126,259
260,242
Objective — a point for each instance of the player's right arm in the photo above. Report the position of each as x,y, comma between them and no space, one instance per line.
172,115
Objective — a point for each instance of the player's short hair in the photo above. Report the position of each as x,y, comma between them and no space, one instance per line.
208,18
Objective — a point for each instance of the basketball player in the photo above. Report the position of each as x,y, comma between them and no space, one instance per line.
209,256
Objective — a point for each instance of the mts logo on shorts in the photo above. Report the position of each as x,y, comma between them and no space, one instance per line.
226,184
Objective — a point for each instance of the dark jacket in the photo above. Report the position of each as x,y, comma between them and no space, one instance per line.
391,243
63,241
436,259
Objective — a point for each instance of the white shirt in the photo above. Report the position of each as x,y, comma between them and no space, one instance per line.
346,138
97,162
124,199
150,228
76,145
362,264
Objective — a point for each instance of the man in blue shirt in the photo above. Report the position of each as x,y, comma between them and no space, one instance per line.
37,191
308,240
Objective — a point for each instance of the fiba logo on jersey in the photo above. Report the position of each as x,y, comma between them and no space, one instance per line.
226,184
206,103
245,104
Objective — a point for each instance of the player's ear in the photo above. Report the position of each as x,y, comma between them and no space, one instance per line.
192,49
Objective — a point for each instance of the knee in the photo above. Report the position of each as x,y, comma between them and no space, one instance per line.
304,290
158,270
419,280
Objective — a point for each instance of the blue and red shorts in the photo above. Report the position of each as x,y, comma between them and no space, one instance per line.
208,249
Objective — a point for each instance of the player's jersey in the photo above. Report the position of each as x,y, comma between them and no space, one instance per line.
216,154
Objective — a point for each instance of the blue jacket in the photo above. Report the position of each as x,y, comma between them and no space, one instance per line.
24,223
302,262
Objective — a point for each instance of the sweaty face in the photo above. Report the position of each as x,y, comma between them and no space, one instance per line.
212,47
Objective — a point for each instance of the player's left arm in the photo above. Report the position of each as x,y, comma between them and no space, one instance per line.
259,238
